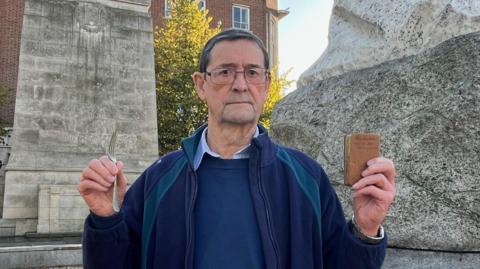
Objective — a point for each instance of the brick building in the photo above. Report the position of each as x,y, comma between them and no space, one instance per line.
11,18
259,16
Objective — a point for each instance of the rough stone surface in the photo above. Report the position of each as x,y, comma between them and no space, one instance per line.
60,257
60,209
364,33
411,259
41,256
426,108
7,228
85,67
4,154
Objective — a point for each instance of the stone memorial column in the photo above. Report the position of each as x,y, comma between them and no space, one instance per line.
86,68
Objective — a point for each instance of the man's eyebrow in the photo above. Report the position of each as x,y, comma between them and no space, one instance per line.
228,65
254,66
235,65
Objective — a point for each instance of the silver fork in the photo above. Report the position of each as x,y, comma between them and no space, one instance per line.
111,156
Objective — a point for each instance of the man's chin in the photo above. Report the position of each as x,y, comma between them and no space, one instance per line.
243,113
240,118
239,121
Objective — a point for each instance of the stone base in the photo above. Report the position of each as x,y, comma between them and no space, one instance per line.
70,256
7,228
41,252
41,256
417,259
60,209
22,190
17,227
44,202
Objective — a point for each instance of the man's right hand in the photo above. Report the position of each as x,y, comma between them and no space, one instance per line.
96,185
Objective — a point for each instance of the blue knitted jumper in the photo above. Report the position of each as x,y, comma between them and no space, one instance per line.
226,228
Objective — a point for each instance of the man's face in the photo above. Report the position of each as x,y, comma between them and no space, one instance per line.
238,102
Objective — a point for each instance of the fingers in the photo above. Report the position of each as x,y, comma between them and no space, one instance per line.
92,175
376,186
102,171
378,180
95,185
121,178
120,166
122,183
103,168
375,192
381,165
109,165
87,185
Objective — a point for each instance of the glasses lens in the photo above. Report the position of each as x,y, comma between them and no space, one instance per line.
255,75
222,76
227,75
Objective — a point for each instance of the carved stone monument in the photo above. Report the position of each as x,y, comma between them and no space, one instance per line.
425,105
364,33
86,68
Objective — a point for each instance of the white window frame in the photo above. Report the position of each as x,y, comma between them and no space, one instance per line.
166,12
247,24
204,2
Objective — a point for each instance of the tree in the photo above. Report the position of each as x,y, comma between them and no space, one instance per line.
177,51
277,85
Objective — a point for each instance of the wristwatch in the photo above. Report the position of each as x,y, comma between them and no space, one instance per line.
365,238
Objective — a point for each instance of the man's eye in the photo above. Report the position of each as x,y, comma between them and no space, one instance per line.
223,72
252,72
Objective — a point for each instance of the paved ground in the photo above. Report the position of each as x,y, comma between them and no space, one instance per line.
41,252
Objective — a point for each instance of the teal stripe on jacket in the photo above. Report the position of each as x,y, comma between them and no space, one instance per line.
306,181
152,202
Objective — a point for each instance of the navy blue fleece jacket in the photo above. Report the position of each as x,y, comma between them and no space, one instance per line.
299,217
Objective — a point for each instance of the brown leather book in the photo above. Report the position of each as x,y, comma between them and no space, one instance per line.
358,149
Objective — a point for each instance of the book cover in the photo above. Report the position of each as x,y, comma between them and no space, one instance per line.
358,149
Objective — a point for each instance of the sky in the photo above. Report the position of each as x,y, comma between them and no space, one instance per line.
303,35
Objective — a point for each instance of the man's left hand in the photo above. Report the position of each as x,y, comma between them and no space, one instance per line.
373,195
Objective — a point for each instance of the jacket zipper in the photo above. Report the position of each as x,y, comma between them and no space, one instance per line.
267,212
190,234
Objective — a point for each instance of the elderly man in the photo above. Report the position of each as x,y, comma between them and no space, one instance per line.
231,197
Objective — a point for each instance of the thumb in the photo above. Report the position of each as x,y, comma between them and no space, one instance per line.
121,181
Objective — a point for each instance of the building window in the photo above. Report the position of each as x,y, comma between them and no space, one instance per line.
202,4
167,9
241,17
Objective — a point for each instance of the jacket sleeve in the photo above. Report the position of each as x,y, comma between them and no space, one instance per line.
341,249
115,242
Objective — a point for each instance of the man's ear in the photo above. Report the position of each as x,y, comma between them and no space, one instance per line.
199,81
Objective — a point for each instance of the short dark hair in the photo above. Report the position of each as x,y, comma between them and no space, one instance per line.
231,35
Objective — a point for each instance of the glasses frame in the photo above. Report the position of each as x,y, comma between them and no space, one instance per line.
209,73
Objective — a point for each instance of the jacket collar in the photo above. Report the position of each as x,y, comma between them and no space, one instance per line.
261,143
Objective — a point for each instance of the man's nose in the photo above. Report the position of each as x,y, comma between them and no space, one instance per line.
239,81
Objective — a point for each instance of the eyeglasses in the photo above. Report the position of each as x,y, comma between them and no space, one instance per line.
226,75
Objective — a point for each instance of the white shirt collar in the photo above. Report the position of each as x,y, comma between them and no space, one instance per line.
203,148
